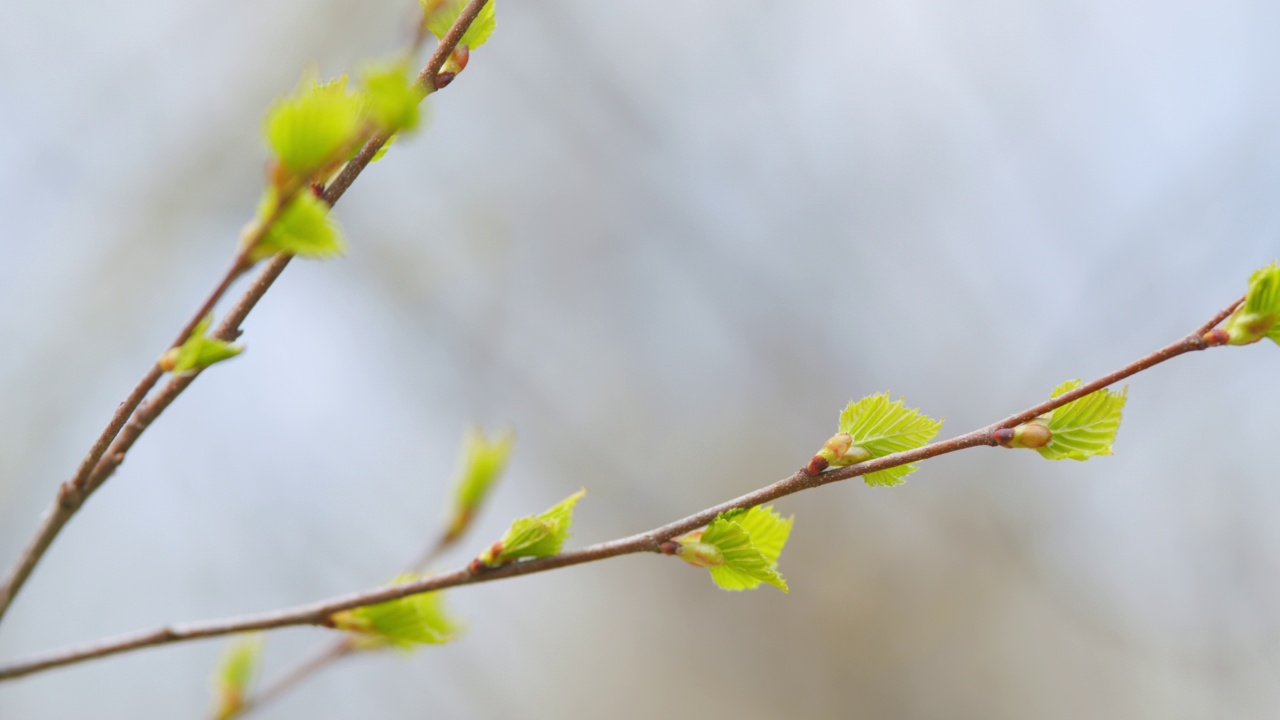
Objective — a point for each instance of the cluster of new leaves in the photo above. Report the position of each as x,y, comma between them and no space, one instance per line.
483,460
311,134
198,351
405,622
536,536
1259,315
740,548
874,427
235,673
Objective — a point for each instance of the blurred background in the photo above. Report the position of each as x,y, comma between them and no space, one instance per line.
666,243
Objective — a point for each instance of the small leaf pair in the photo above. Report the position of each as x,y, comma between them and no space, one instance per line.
536,536
874,427
235,673
483,460
303,227
406,622
740,548
198,351
1081,429
439,17
1258,316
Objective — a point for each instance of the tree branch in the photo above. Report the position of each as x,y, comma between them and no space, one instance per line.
109,450
316,613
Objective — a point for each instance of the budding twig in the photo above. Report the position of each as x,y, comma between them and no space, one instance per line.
652,541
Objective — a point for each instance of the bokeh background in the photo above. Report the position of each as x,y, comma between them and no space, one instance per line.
665,242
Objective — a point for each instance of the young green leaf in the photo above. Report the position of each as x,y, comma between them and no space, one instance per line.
235,672
874,427
303,228
198,351
314,128
1259,315
440,15
740,548
483,460
1079,430
393,97
406,622
535,536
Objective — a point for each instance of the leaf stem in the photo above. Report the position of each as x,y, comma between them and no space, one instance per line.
316,613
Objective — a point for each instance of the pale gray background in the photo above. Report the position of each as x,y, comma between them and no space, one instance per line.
665,241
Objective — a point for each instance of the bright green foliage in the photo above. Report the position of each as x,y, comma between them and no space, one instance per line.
406,622
879,427
740,548
198,351
235,673
482,463
1084,427
303,228
441,15
314,128
1259,315
393,97
535,536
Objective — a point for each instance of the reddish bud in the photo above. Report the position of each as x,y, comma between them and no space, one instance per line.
1216,337
169,360
443,79
817,465
459,56
1004,437
669,547
279,176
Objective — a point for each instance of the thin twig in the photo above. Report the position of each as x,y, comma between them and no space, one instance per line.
316,613
335,652
341,648
132,417
73,492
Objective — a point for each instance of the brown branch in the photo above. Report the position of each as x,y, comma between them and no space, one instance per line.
316,613
340,648
73,492
109,450
335,652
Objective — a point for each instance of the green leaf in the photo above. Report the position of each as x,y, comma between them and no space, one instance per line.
235,672
314,128
303,228
1084,427
768,530
393,97
198,351
1259,315
413,620
740,548
880,427
482,462
535,536
441,15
